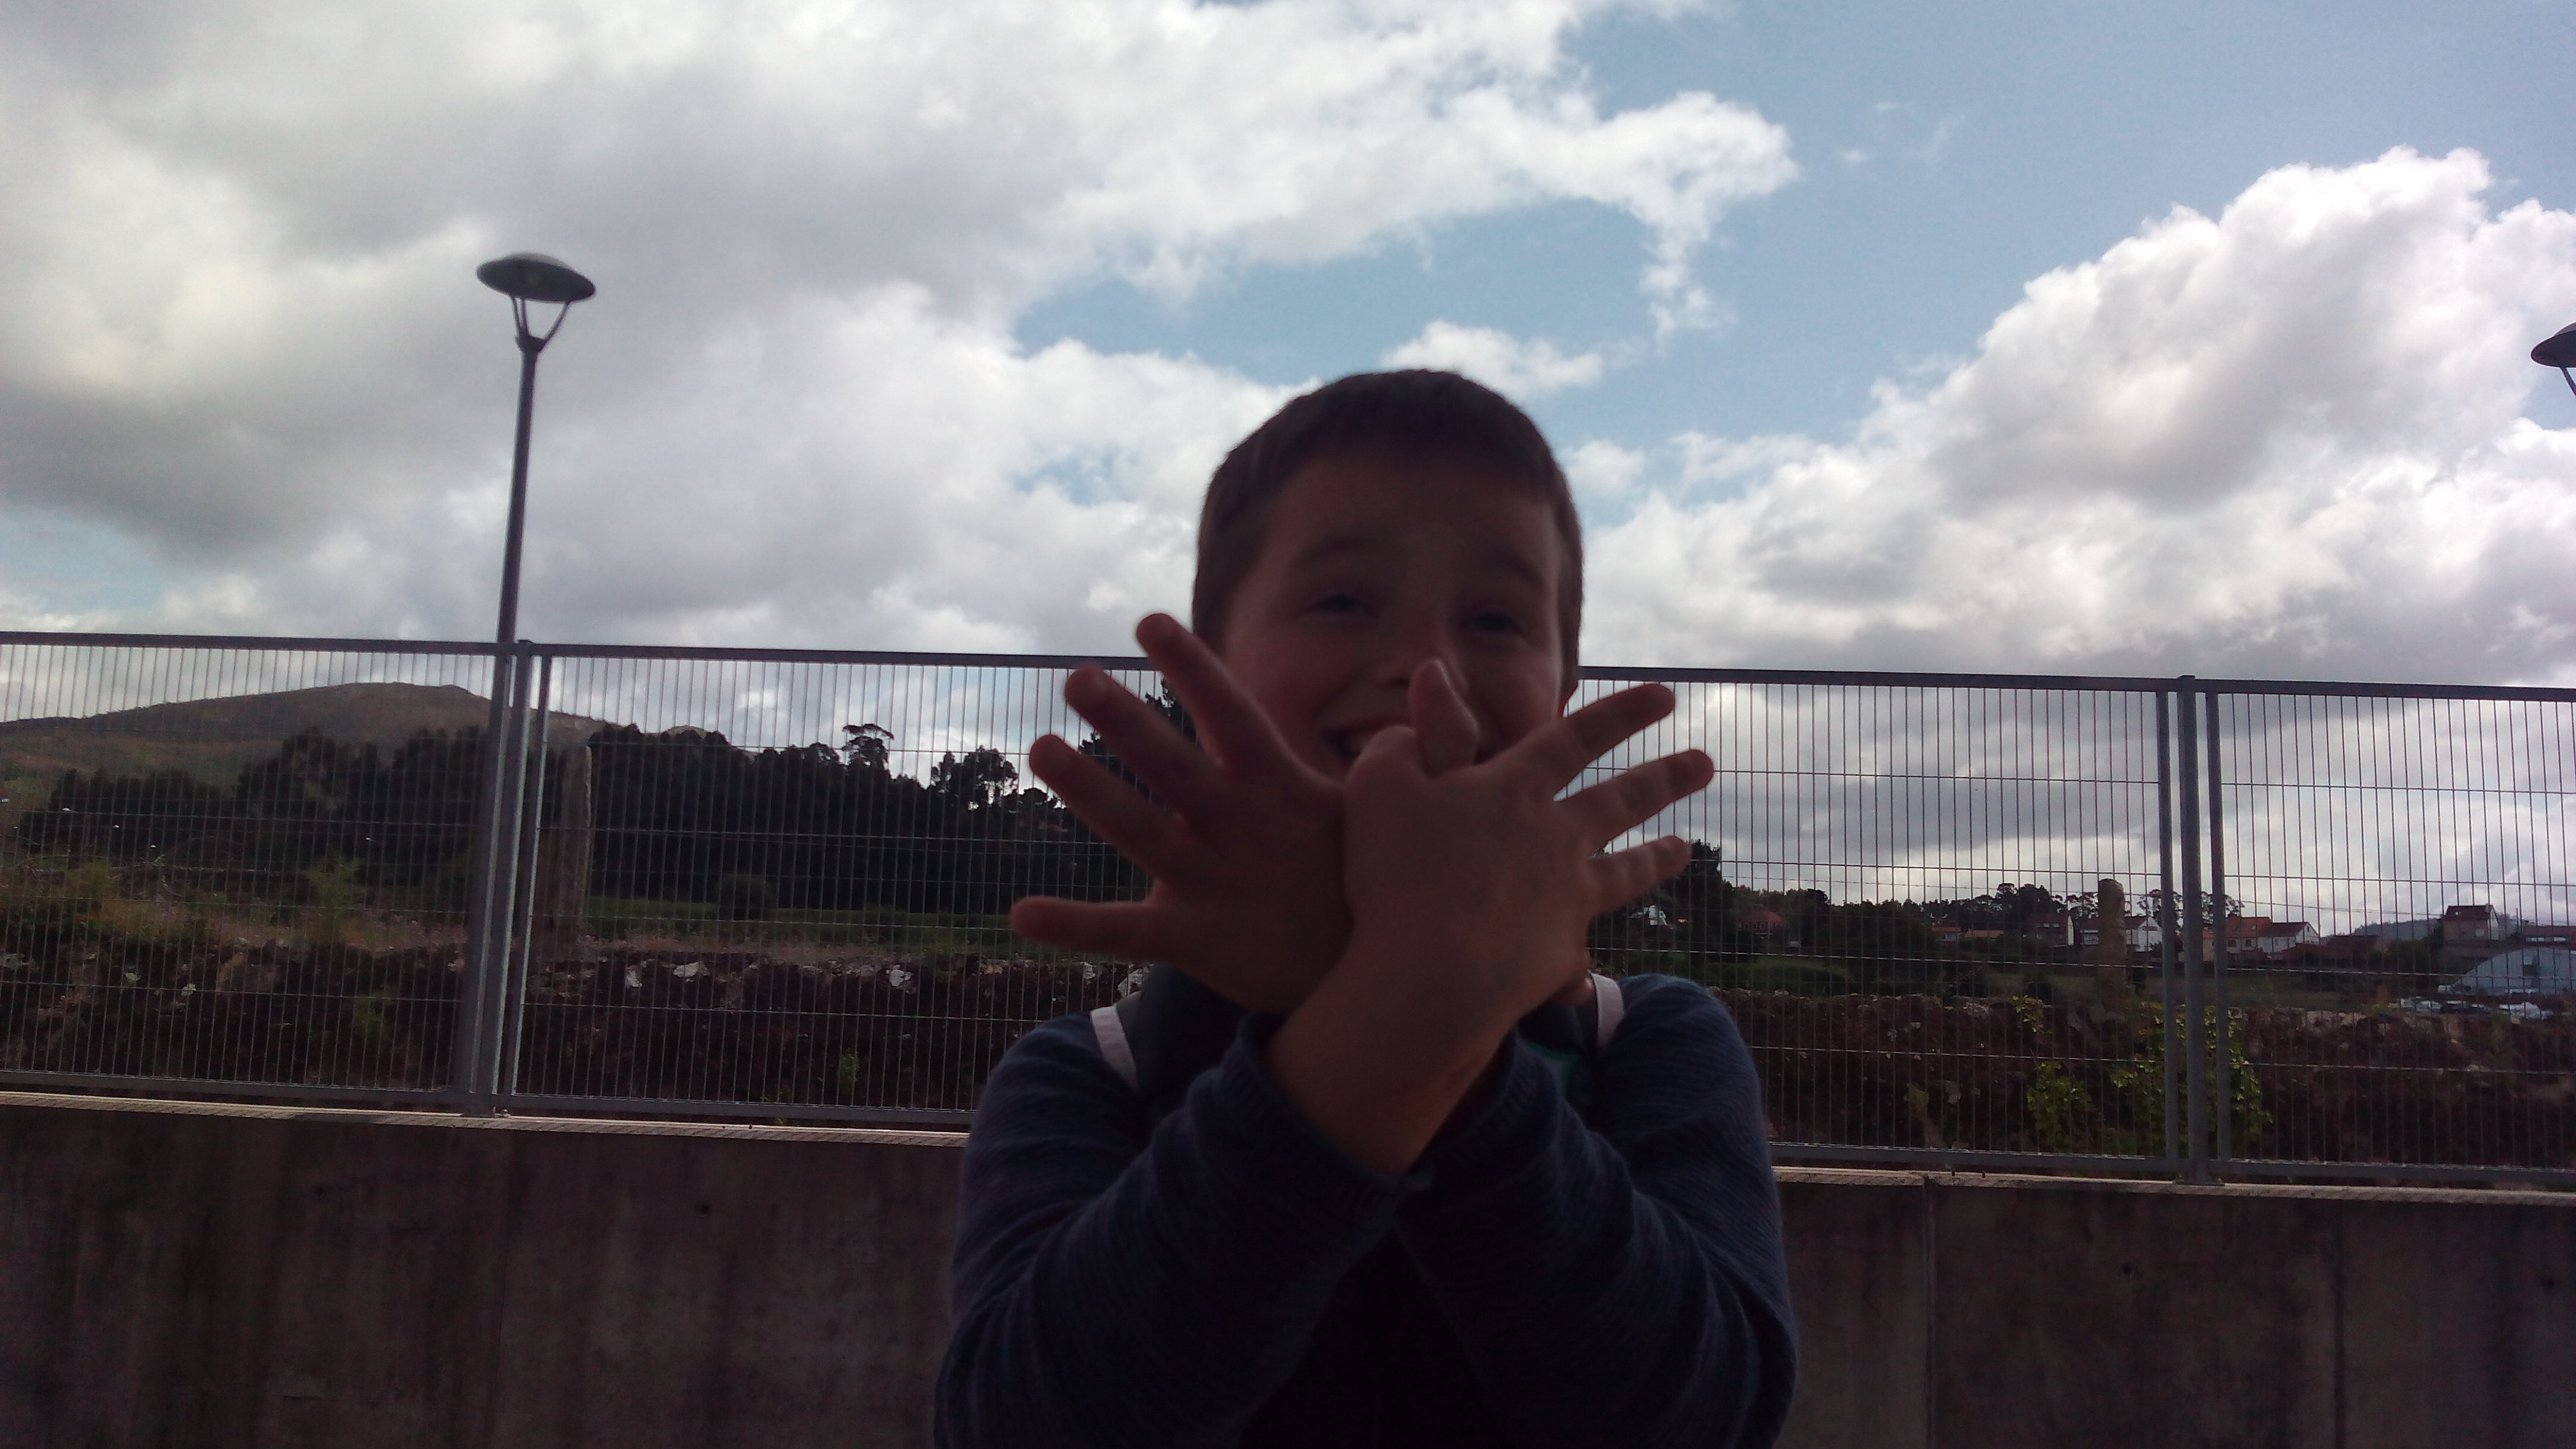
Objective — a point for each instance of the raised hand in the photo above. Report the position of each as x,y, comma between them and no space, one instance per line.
1469,893
1483,872
1243,840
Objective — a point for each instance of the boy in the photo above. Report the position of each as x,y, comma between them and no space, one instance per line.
1376,1211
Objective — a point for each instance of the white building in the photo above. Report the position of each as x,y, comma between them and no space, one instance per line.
2142,933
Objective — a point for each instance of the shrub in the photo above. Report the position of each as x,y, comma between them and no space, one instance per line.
744,898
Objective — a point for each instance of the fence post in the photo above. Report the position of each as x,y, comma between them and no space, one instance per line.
2166,925
514,975
2222,1098
467,1047
495,872
2195,1027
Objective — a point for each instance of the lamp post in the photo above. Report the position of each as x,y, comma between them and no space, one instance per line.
526,277
523,277
2559,351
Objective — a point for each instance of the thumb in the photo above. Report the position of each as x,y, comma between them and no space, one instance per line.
1441,718
1394,752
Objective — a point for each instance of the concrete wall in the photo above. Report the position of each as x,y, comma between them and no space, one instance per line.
202,1275
1940,1310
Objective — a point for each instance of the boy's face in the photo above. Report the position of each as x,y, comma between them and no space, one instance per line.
1372,563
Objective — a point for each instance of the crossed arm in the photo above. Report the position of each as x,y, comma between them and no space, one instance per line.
1614,1285
1621,1286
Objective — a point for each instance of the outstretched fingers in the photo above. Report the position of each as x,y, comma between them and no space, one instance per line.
1560,751
1134,826
1232,727
1632,797
1143,740
1109,928
1623,875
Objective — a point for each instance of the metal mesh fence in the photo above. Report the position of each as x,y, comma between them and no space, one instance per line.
2399,886
1890,891
792,878
1947,911
235,865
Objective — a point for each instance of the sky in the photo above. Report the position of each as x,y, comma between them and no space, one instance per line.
2103,338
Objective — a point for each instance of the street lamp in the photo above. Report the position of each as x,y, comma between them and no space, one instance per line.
2559,351
523,277
526,277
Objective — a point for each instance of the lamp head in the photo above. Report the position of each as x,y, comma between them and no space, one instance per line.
531,277
2559,350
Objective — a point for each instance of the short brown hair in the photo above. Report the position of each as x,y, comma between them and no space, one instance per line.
1409,414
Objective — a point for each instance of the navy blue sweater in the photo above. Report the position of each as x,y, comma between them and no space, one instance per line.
1230,1277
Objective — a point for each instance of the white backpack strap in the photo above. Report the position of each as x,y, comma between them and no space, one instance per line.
1606,1009
1112,1035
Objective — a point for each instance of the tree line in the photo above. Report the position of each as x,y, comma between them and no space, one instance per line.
684,815
687,816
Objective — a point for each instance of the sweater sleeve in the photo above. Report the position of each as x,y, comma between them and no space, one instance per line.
1628,1285
1116,1290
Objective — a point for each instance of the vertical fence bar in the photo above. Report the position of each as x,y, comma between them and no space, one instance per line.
2195,1035
2165,924
514,989
502,866
468,1049
2222,1099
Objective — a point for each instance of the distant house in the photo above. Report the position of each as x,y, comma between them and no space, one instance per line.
2346,951
2531,933
2265,937
1759,922
2474,923
2141,932
2268,938
2471,934
2057,930
2523,971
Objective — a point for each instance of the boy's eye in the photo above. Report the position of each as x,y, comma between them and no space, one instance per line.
1494,621
1339,604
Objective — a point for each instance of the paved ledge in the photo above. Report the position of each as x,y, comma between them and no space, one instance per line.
381,1117
915,1137
2321,1192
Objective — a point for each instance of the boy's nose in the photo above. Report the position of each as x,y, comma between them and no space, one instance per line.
1409,645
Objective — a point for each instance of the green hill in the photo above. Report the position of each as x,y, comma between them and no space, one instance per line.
212,739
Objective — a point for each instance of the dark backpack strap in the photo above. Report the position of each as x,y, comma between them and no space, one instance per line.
1159,1037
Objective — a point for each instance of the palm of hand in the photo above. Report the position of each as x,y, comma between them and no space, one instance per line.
1480,874
1242,840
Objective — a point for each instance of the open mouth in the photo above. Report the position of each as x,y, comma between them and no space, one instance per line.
1347,744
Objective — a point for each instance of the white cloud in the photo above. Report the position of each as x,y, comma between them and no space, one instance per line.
1602,471
2283,440
237,321
1499,360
